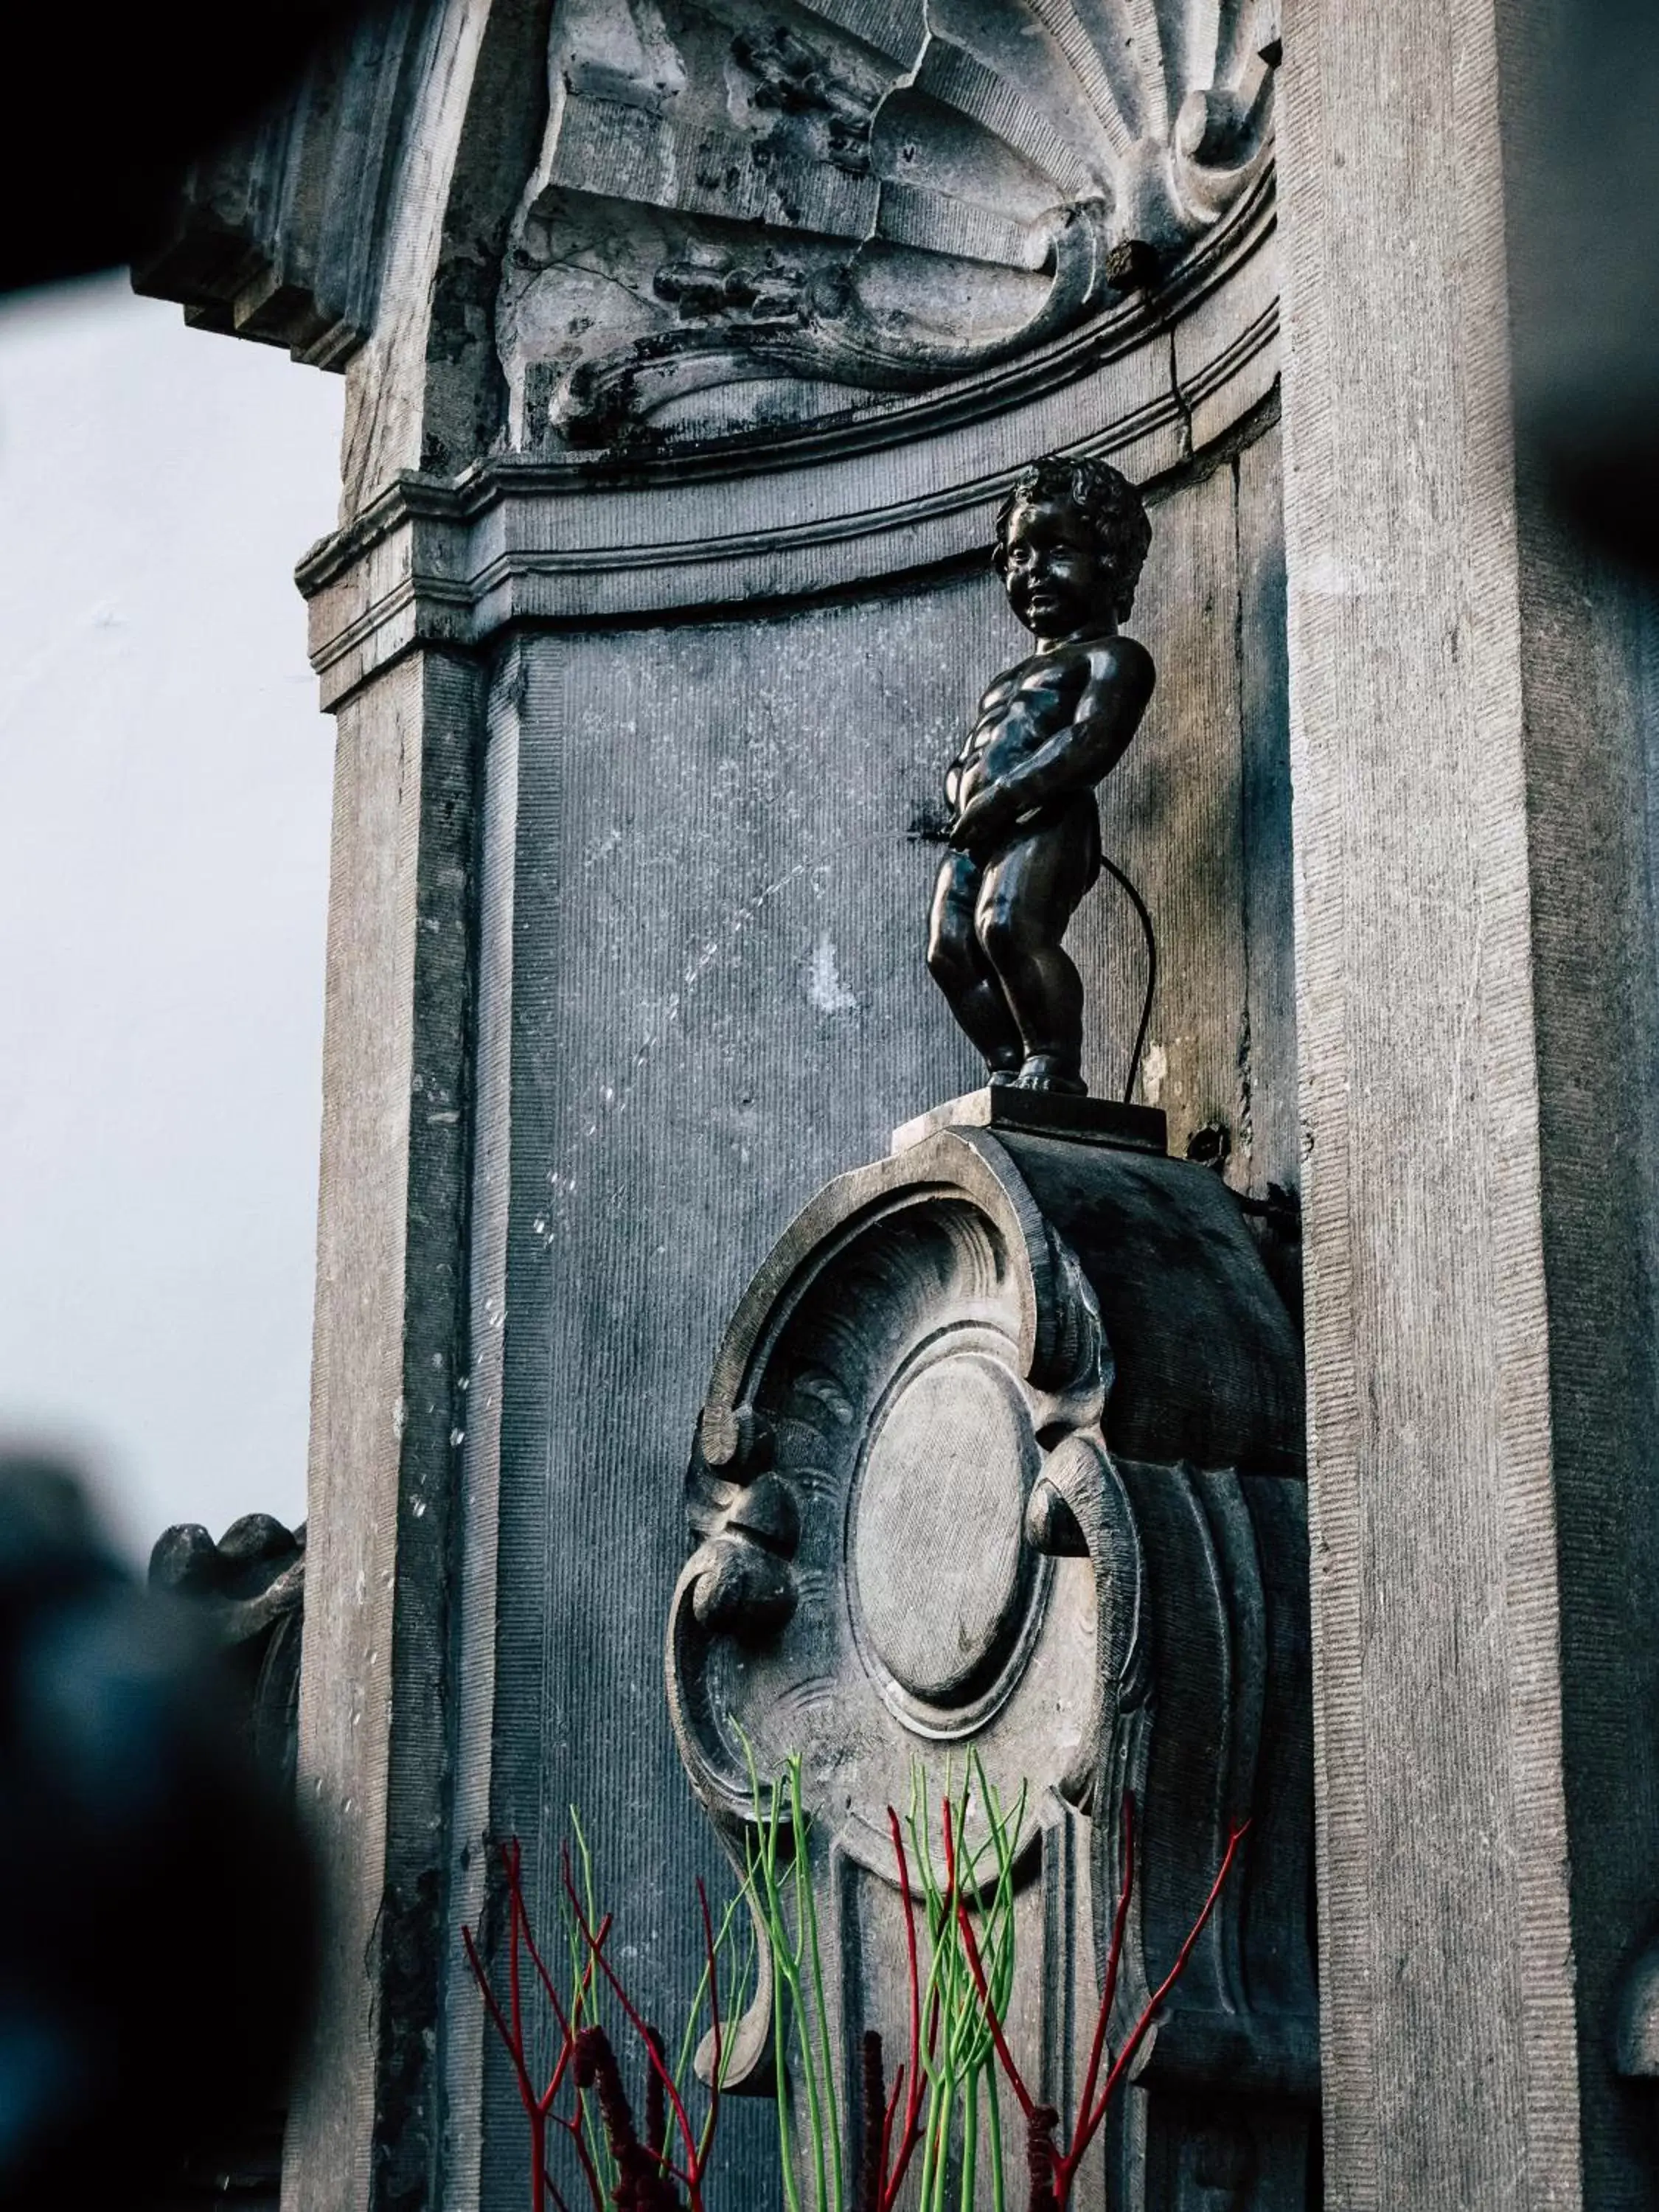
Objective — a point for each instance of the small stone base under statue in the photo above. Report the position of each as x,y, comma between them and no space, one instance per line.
1009,1109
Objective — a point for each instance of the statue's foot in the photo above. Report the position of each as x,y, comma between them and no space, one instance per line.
1047,1071
1005,1075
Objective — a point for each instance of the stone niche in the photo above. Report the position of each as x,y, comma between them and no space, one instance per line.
690,349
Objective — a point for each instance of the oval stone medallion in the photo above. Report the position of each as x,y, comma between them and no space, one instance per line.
937,1557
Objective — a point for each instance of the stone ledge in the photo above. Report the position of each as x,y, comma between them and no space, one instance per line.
516,540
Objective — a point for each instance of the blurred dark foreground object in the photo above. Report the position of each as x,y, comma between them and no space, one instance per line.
109,105
157,1945
1583,176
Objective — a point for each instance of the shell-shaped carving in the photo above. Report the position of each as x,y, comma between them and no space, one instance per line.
750,215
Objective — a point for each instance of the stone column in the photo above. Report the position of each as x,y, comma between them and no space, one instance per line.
387,1406
1475,1000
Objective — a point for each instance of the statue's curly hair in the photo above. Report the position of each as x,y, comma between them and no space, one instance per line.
1108,502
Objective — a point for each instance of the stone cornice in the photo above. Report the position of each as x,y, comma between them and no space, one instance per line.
280,234
574,541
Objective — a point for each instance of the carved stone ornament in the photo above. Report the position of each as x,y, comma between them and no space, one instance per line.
251,1587
1002,1452
745,216
661,304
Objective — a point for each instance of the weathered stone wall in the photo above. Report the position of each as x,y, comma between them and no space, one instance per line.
689,357
1471,736
689,354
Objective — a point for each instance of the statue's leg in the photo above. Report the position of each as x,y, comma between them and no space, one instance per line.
960,968
1029,895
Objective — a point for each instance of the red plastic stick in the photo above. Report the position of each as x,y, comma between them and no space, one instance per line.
1149,2014
691,2179
1113,1956
911,2133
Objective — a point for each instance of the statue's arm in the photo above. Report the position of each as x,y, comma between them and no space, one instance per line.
1114,695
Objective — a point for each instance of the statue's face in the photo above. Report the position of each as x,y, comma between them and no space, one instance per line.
1052,570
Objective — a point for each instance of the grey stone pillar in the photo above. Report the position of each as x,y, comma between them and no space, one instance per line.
1476,998
388,1402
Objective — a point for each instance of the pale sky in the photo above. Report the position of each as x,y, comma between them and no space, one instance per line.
163,875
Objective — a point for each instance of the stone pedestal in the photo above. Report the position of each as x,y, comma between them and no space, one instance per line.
1002,1455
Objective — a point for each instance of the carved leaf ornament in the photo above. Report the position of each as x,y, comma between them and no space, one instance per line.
747,216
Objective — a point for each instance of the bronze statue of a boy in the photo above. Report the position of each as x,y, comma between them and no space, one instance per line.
1025,828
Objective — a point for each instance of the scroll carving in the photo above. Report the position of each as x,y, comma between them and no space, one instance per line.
250,1587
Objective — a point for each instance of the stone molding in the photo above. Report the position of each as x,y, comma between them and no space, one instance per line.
281,236
601,540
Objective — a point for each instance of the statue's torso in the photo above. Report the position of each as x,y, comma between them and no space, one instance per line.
1020,712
